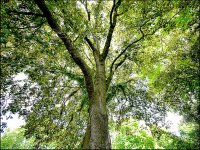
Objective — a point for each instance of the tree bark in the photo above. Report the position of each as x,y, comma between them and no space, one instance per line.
97,133
99,137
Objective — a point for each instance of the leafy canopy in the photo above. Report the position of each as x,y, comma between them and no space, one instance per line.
152,63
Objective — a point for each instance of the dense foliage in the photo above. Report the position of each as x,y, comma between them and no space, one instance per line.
151,67
16,140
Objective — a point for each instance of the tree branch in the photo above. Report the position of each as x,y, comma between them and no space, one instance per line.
75,39
68,44
65,100
111,73
89,59
86,8
122,52
142,37
95,51
88,12
120,63
111,12
113,21
90,44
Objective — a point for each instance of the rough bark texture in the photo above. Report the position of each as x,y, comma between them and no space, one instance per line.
98,112
99,128
97,133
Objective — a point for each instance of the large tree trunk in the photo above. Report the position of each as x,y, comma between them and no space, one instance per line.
99,138
97,134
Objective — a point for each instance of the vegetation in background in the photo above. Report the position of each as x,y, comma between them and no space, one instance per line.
131,134
16,140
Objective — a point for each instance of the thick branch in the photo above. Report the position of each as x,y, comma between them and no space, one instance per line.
68,44
111,12
90,44
120,63
85,4
113,21
95,51
88,12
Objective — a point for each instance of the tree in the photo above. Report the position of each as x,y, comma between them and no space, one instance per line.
132,135
87,42
16,140
187,140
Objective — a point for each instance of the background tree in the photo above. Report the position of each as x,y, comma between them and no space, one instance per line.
16,140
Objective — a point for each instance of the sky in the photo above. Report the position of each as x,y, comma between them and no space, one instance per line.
15,122
175,120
